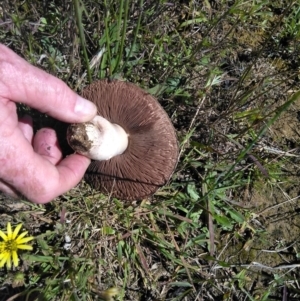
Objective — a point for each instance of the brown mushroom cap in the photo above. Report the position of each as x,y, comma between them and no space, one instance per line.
152,152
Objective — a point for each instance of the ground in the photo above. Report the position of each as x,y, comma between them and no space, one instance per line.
226,225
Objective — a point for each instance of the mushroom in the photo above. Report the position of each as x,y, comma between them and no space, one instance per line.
132,142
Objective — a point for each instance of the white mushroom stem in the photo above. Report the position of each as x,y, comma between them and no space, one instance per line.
106,139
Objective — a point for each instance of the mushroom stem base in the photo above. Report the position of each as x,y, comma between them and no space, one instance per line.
98,139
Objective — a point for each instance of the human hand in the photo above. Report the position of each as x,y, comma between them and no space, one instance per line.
33,165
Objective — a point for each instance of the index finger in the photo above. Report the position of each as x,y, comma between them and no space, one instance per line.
22,82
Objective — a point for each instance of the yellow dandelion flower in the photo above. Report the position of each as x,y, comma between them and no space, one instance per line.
10,245
108,294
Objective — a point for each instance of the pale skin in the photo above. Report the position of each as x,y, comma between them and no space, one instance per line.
32,165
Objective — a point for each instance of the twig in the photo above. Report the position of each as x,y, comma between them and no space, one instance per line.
277,205
259,265
192,124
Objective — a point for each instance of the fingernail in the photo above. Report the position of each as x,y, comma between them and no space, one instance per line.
85,108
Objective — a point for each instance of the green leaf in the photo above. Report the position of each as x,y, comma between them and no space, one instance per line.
192,191
181,284
223,221
224,264
43,244
193,21
108,230
237,216
157,90
43,20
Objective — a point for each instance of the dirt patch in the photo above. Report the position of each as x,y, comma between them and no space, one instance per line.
286,129
270,238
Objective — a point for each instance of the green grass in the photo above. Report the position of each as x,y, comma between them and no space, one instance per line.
228,76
